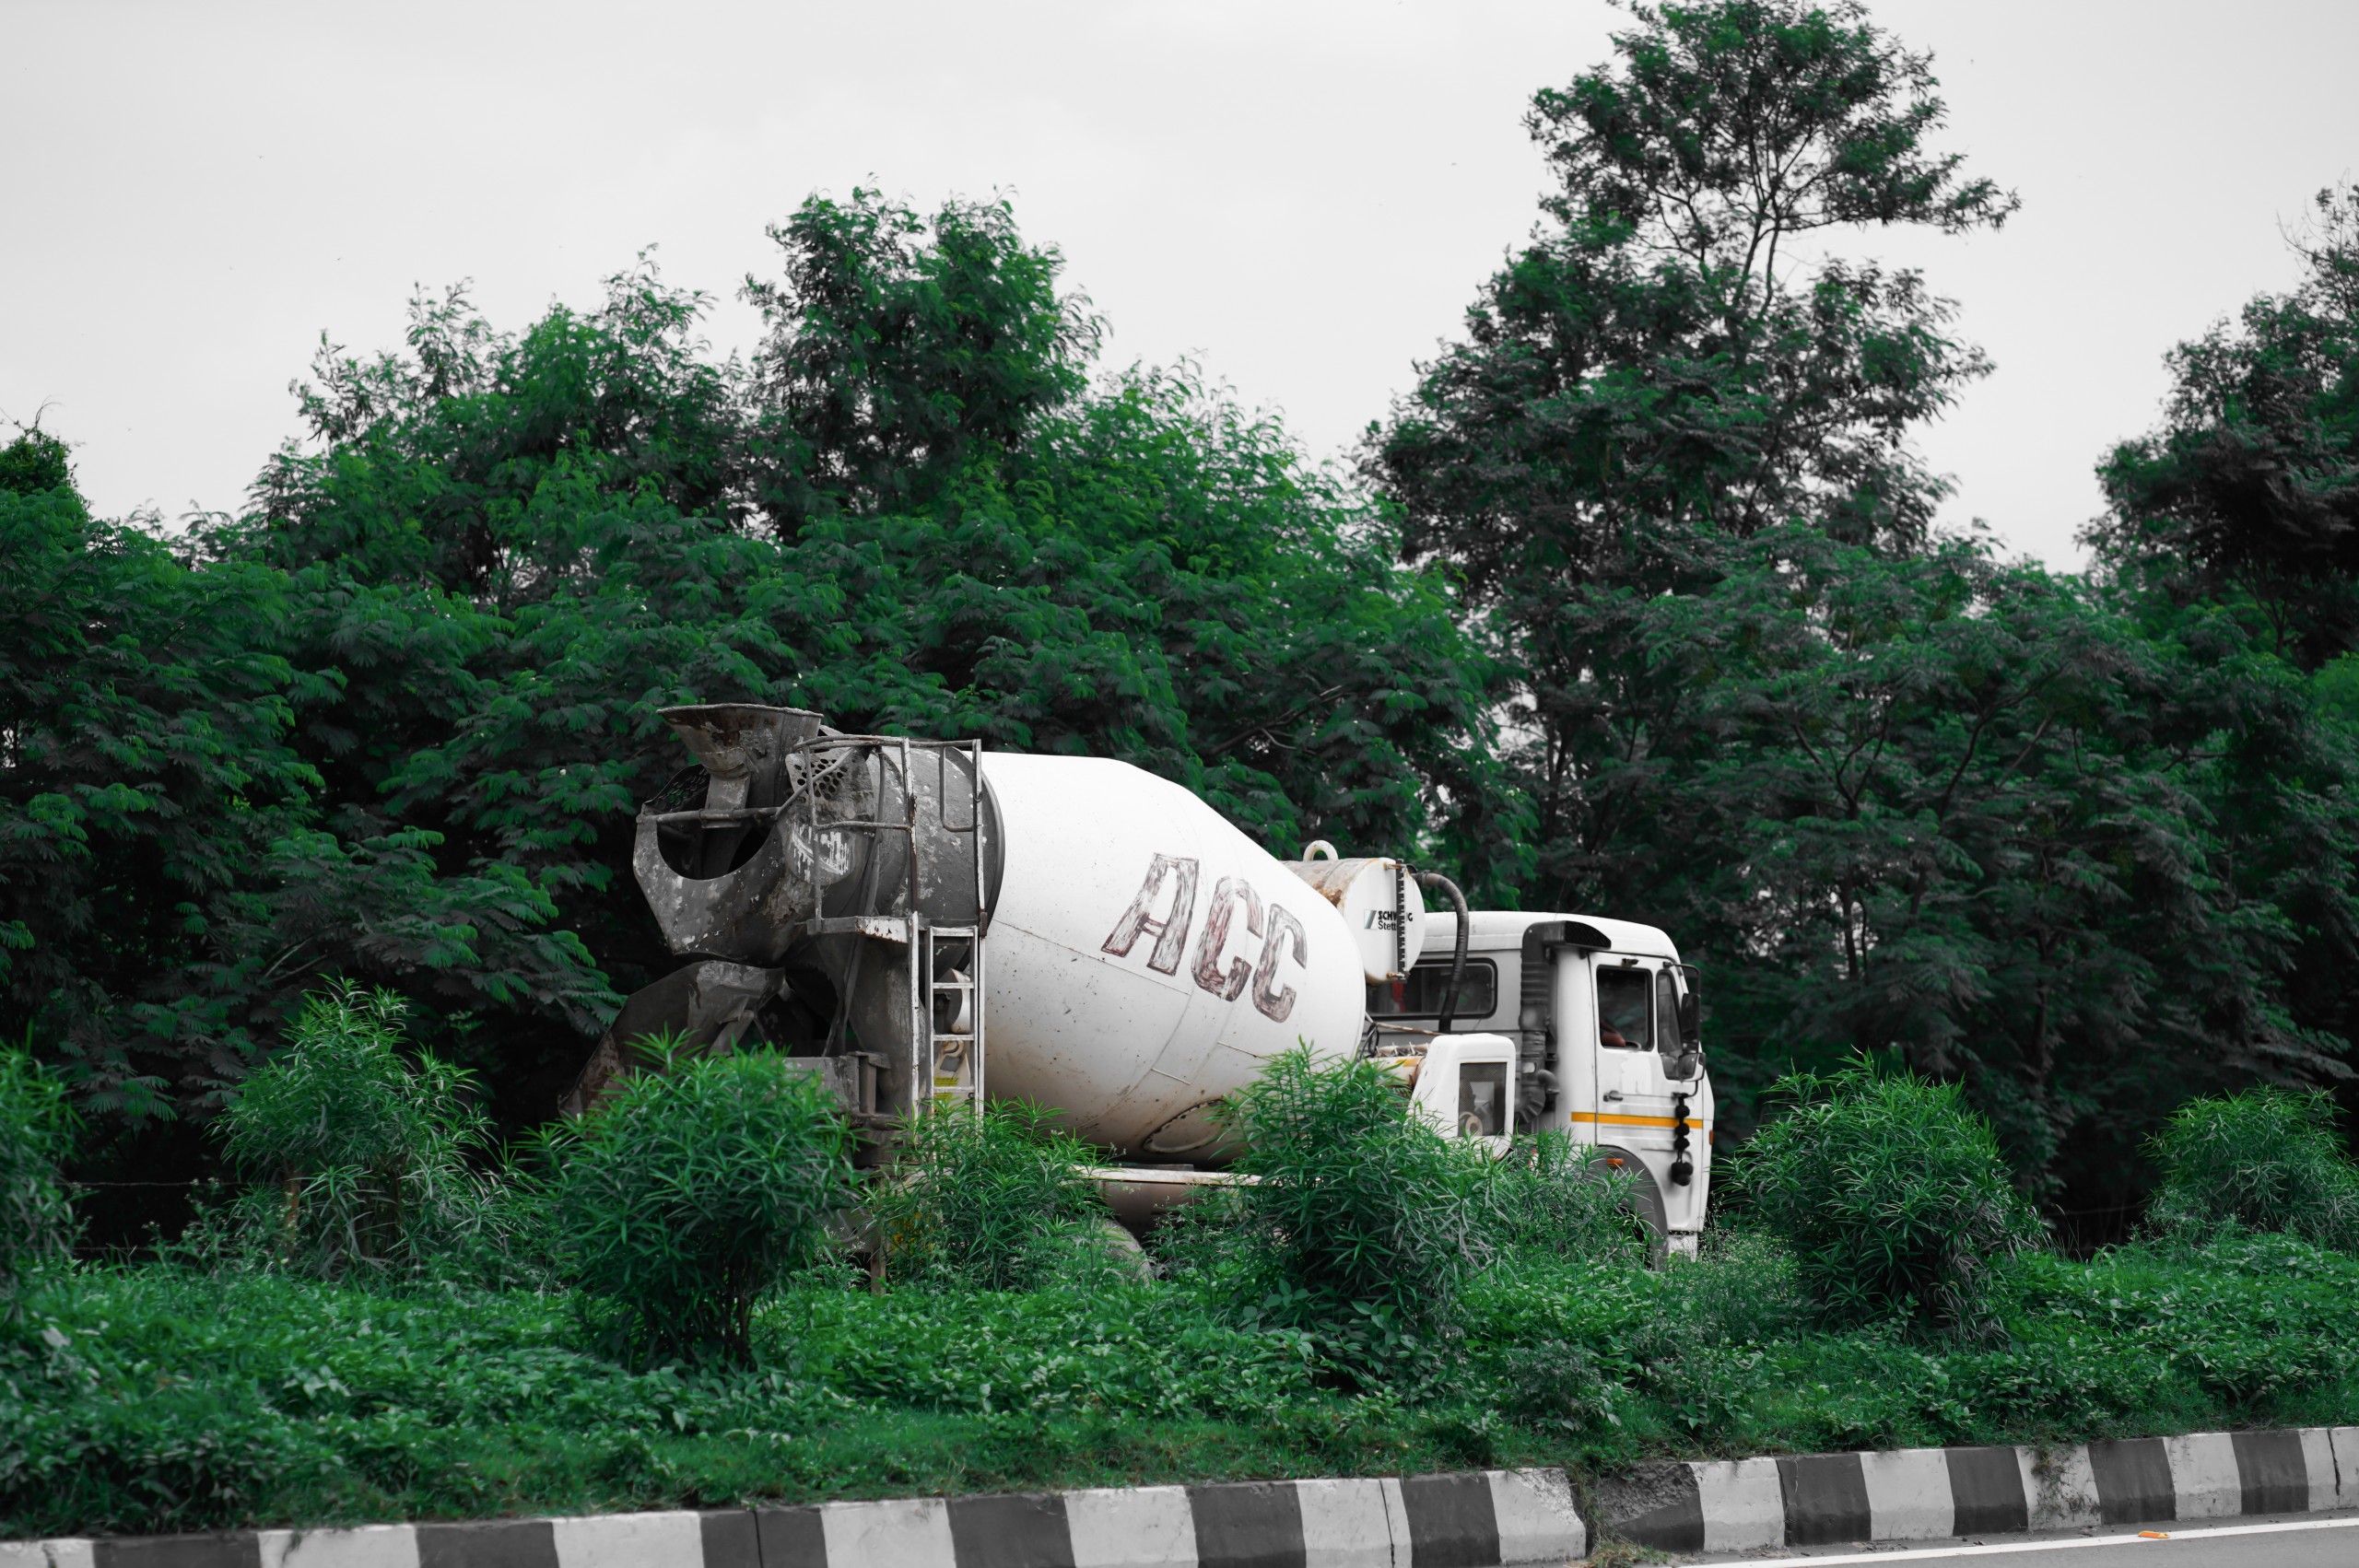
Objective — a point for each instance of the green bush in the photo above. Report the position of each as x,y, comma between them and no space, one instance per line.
988,1200
368,1157
1891,1194
2268,1159
155,1399
1742,1289
1549,1193
1360,1224
36,1134
691,1191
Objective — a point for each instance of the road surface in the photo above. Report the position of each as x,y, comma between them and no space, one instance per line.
2300,1540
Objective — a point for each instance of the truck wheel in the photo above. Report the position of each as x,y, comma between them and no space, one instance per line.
1122,1249
1644,1193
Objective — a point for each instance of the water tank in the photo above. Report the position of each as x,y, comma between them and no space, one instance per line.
1381,907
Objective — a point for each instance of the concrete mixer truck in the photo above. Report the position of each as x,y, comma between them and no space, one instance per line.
926,922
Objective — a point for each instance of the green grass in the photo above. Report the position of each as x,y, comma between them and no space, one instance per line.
152,1398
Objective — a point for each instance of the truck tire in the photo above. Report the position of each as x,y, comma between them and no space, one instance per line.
1644,1193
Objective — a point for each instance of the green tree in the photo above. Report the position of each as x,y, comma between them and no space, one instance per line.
2230,530
898,351
2249,489
1897,794
35,463
497,443
1650,379
170,877
503,553
1976,815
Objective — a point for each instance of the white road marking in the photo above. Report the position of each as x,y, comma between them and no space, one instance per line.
1938,1552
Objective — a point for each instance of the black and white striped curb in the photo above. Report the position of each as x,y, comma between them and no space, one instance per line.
1935,1493
1481,1520
1484,1519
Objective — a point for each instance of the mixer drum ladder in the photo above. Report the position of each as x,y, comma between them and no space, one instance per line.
949,990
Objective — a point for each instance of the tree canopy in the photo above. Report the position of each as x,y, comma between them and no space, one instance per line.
1897,795
425,665
2250,486
1635,604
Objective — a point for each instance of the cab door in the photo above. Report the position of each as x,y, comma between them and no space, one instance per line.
1636,1030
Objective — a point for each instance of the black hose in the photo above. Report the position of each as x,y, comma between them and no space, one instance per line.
1432,879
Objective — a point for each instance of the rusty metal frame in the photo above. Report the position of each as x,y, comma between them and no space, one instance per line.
913,930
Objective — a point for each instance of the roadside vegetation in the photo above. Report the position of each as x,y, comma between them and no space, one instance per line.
695,1300
1634,603
2024,894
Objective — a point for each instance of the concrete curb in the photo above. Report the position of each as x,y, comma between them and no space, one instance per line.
1487,1519
1934,1493
1484,1519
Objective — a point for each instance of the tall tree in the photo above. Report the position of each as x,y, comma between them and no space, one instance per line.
900,350
1990,821
168,881
1897,795
914,511
1652,378
2233,528
2250,487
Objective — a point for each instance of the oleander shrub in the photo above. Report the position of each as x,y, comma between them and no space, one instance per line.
988,1199
1891,1194
36,1135
2266,1158
1359,1224
1552,1195
689,1193
371,1163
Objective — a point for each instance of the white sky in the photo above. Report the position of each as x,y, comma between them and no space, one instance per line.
1304,195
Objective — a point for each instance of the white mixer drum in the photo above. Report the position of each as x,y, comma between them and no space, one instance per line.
1145,959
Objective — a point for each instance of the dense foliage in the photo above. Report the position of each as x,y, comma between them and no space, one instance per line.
987,1201
1891,1196
1635,605
2267,1159
418,680
171,888
691,1193
2249,490
204,1392
1896,792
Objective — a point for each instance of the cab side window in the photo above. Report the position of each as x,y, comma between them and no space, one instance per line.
1624,1017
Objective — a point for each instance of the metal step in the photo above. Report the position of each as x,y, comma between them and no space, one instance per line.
951,1023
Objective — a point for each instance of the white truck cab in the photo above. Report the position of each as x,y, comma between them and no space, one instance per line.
1602,1018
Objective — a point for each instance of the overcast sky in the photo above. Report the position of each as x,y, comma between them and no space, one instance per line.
1305,196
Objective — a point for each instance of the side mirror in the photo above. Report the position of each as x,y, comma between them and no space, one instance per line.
1691,1020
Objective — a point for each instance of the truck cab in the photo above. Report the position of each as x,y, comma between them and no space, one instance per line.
1603,1017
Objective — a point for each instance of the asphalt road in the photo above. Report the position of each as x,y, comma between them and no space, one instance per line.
2307,1540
